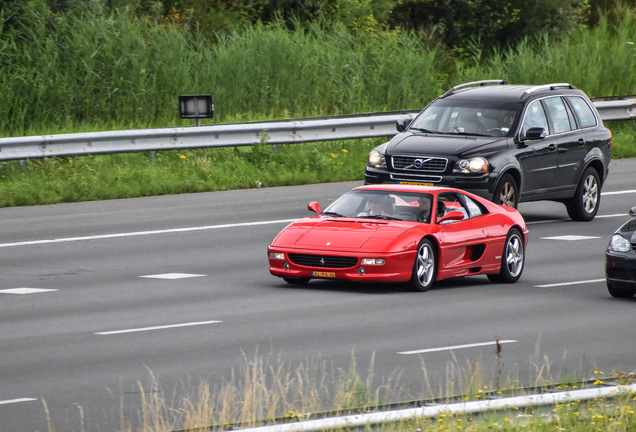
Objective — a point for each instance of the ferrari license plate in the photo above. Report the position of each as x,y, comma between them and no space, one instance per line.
323,274
415,183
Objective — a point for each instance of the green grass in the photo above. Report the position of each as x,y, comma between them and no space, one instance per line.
107,72
91,178
116,72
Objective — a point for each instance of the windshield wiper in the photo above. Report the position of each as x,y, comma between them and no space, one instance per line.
379,217
425,130
332,214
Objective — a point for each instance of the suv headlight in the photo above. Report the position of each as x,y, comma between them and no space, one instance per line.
471,166
618,243
376,159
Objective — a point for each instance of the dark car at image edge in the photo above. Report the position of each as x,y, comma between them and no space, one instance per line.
507,143
620,270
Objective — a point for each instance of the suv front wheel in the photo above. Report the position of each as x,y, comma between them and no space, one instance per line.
584,205
507,192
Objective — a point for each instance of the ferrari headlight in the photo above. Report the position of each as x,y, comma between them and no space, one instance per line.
619,244
373,261
376,159
277,255
471,166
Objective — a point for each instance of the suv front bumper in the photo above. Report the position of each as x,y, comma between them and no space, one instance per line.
482,185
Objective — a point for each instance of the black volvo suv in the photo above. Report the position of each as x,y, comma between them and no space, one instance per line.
507,143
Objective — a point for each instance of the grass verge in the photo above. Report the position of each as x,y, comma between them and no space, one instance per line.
91,178
268,391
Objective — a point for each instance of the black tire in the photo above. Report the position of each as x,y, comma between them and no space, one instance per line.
587,198
620,293
513,259
296,281
507,192
424,267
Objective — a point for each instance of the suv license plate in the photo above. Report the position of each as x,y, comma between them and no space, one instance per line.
415,183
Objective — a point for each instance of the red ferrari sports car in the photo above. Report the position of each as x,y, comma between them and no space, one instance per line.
402,233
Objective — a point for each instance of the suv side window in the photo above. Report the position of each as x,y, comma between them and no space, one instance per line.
535,117
583,110
562,119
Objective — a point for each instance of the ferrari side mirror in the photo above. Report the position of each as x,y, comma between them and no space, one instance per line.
451,216
314,207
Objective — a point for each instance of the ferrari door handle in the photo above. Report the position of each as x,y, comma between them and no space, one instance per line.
582,142
552,147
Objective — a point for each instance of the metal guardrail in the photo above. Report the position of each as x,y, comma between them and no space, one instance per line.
368,125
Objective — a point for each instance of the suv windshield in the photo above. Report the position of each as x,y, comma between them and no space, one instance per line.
456,116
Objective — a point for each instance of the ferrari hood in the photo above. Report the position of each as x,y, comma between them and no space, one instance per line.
442,145
341,234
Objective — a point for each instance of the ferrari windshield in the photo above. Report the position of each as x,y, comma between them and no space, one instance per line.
390,205
467,117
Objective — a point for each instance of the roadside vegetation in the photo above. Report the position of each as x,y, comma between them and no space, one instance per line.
70,66
268,391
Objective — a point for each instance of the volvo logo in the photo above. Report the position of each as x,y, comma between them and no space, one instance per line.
322,261
419,163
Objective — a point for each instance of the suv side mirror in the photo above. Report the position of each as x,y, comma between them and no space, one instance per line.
401,125
632,211
314,207
534,133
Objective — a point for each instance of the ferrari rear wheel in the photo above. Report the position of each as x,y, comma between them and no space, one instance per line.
424,267
296,281
512,259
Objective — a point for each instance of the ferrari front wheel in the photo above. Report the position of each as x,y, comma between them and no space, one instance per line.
512,259
424,267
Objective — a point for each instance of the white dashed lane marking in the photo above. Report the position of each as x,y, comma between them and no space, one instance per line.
569,283
163,327
10,401
456,347
173,276
26,290
570,238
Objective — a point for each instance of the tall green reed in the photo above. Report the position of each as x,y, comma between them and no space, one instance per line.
99,72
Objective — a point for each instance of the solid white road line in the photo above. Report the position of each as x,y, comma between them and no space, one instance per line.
10,401
455,347
158,327
612,215
619,192
569,283
142,233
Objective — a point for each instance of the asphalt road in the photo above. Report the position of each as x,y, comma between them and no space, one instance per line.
86,317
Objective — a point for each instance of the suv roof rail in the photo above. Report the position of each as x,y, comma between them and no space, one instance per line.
545,87
472,84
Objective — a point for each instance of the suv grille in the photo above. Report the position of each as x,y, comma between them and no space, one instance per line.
419,163
327,261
